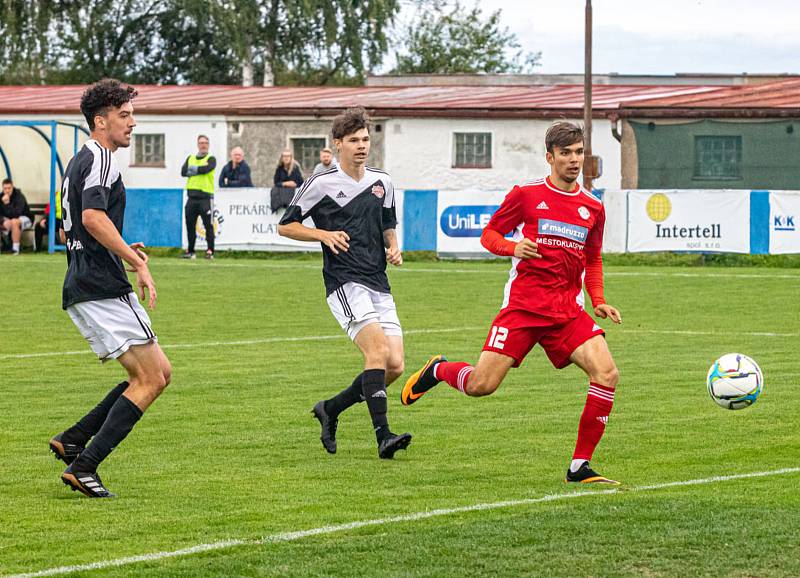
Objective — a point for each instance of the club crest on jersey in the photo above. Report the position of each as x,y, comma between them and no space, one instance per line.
378,191
583,212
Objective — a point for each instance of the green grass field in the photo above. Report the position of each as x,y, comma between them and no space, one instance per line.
231,453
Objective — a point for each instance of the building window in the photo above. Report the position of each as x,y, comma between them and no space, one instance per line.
472,150
717,157
306,152
148,150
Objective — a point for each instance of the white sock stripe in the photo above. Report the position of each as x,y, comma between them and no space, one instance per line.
605,399
601,393
601,390
463,376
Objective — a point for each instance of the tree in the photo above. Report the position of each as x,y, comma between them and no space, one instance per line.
197,41
458,40
105,38
305,41
192,48
24,42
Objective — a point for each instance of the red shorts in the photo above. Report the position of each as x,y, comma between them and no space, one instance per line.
514,333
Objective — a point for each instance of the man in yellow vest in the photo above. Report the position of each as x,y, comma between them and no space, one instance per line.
199,168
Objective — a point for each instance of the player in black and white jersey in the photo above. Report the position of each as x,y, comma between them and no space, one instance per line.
97,294
353,210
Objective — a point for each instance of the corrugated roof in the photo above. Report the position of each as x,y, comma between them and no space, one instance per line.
781,98
443,101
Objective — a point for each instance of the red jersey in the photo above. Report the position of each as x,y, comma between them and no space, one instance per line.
568,228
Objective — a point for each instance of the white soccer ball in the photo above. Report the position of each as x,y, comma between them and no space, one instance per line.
735,381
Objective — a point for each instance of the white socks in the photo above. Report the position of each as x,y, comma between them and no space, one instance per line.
576,465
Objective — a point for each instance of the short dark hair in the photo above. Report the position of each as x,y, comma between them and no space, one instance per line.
562,134
102,96
8,182
350,121
203,136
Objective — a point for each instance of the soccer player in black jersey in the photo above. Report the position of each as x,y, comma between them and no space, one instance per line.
353,210
97,294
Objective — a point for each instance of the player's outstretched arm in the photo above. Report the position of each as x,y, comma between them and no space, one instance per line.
103,230
393,254
335,240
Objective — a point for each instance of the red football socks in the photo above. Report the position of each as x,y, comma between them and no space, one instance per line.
455,373
593,420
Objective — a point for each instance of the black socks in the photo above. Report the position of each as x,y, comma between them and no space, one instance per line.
90,424
374,390
345,398
120,421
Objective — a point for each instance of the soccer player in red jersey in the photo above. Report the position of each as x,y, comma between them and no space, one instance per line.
555,249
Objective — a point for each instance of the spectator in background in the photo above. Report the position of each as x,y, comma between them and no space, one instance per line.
326,161
15,215
40,230
288,173
199,168
236,173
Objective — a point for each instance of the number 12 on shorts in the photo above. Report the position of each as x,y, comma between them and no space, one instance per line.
498,337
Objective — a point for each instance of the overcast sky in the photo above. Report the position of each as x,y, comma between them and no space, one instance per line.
658,36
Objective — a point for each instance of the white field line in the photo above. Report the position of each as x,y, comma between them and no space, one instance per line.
710,273
690,332
323,530
408,332
239,342
503,270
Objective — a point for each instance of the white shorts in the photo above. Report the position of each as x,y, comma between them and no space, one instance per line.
24,223
356,306
112,326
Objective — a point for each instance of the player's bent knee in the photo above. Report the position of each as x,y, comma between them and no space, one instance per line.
394,370
166,372
609,377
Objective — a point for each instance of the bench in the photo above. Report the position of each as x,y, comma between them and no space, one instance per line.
38,214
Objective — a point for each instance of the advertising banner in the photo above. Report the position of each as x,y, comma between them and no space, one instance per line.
461,217
784,222
244,220
689,220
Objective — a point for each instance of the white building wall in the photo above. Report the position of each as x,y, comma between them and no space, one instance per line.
180,140
29,155
419,153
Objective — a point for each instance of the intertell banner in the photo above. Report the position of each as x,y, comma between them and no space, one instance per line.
689,220
244,220
784,222
461,217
